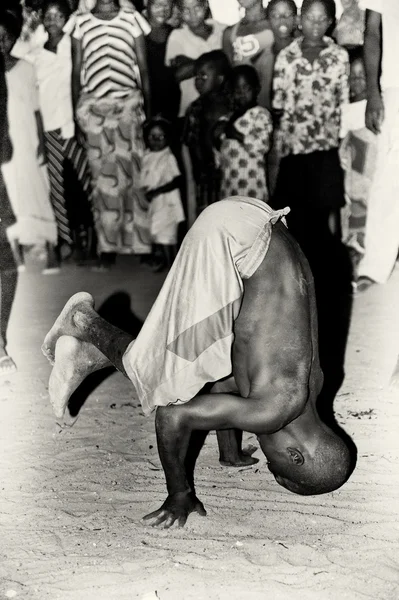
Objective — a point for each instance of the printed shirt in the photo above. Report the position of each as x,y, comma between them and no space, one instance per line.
311,97
183,42
389,10
109,64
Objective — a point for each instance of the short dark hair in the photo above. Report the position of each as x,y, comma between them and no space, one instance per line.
248,72
160,122
272,4
216,58
330,468
62,5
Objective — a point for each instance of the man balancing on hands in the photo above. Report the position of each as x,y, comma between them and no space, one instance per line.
238,310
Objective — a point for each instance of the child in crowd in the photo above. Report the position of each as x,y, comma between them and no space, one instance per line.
310,88
67,163
358,155
25,175
282,16
196,36
250,41
211,73
245,139
165,92
160,180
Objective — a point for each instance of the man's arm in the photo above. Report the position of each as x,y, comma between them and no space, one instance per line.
372,60
175,425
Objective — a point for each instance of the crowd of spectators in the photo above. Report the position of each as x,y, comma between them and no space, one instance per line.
127,120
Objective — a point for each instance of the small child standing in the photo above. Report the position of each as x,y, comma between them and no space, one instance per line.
211,73
310,88
245,139
160,181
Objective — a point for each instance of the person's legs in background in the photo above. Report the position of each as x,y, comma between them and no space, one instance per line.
382,225
8,285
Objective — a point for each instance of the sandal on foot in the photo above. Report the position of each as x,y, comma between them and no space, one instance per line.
364,283
7,365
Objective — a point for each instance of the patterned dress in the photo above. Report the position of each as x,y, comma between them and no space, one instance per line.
243,165
110,112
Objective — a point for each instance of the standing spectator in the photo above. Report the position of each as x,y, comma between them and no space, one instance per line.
282,15
349,31
358,155
110,90
160,180
211,74
25,174
165,92
310,88
196,36
246,139
250,41
8,270
381,51
53,65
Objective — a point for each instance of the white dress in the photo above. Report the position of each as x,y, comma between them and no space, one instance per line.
166,210
26,181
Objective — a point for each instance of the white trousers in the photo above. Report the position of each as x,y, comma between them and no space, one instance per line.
382,225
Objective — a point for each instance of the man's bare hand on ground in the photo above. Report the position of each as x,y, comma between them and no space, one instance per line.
176,508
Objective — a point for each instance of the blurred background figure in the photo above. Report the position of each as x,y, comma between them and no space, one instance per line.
358,154
381,51
250,41
8,267
110,93
25,175
165,92
212,71
245,139
349,31
67,164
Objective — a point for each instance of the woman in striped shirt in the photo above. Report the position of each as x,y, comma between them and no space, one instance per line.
110,89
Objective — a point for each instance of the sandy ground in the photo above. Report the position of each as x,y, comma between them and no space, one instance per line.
71,501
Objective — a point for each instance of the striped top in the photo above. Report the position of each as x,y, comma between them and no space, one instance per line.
109,63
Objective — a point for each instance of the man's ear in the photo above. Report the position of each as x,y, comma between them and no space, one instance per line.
296,456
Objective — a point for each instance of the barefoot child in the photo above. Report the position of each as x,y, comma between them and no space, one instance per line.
160,180
245,139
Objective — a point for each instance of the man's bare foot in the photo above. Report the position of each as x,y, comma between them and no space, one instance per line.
242,459
64,325
74,361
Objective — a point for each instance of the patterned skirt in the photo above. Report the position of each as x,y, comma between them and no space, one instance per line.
70,183
115,146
